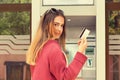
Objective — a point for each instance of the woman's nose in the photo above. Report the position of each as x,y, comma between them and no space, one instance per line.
59,28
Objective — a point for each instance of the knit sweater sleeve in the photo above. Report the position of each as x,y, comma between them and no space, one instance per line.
58,66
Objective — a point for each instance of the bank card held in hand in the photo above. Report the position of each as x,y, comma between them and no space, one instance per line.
84,33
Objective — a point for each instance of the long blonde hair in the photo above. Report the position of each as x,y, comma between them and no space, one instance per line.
44,33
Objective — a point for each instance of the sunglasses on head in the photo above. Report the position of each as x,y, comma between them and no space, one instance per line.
54,11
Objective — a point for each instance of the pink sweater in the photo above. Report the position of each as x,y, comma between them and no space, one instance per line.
51,64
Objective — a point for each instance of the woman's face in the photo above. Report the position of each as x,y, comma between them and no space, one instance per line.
58,27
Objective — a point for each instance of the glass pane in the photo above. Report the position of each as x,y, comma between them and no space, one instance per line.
15,73
114,22
14,32
14,1
14,70
14,23
114,65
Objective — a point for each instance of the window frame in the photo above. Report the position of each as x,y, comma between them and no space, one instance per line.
109,6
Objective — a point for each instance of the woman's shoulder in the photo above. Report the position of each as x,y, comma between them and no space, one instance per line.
52,43
52,46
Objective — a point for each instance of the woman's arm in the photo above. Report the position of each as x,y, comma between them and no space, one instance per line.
59,69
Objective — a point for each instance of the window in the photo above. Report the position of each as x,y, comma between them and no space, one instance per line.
112,39
15,26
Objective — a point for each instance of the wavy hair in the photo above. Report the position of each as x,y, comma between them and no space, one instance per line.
44,33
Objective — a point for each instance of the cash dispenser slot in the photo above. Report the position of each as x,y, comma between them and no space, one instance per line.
89,51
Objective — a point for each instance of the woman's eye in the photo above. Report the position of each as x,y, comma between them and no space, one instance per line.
56,25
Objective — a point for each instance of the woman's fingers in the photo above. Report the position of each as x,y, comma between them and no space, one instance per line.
82,43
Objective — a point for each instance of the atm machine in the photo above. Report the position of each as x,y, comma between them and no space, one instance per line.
88,71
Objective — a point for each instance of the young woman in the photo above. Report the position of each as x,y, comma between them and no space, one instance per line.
46,53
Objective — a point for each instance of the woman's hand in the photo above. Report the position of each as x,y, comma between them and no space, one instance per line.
82,45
